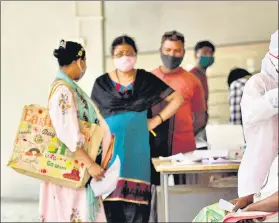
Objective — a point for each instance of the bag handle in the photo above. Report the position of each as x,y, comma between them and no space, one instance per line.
57,83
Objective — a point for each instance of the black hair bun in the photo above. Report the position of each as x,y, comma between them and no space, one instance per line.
58,53
68,52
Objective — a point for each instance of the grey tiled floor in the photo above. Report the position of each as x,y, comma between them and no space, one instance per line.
12,211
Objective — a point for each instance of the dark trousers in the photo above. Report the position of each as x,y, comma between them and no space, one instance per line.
125,212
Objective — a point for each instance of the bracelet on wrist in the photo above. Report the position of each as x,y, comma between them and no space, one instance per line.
162,120
89,166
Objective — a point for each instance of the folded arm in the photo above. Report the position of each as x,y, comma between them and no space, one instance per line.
174,101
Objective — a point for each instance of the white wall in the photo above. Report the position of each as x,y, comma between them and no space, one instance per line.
223,22
29,33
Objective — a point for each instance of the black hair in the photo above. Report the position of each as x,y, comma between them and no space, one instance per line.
174,36
205,43
68,52
236,74
123,40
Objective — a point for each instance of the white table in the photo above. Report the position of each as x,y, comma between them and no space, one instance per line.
165,168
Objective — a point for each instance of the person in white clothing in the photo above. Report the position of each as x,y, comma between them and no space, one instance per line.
68,103
258,173
259,108
267,198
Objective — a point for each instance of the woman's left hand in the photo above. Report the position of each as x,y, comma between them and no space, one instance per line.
154,122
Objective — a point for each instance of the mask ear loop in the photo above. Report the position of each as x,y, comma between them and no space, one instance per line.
79,66
81,70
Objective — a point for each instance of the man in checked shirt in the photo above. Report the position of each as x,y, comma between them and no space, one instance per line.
236,81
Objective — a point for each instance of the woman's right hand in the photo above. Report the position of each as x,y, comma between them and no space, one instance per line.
154,122
242,202
96,171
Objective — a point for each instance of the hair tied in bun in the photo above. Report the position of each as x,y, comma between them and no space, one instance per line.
62,44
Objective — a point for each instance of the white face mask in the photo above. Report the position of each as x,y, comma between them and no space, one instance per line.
82,71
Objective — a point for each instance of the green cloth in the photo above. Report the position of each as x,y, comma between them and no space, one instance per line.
92,203
210,213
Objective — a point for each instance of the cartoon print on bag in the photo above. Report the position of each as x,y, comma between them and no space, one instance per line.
55,145
36,129
74,175
31,156
38,139
62,148
52,148
33,152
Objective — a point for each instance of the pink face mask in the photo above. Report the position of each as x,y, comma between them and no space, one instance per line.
125,63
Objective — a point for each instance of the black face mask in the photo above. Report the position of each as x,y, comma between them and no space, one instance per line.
171,62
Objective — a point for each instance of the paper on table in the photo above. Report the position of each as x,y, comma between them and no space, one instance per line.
205,154
183,162
178,156
108,184
219,161
197,155
227,206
